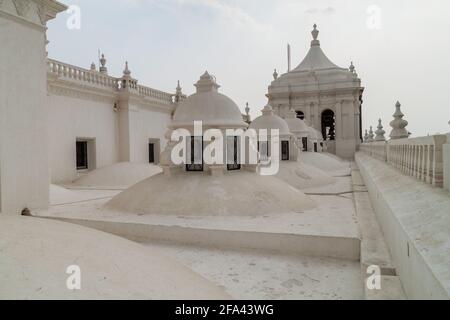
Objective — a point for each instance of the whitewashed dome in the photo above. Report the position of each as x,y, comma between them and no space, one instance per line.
269,121
209,106
295,124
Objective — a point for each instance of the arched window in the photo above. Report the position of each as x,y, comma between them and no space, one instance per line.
328,125
300,115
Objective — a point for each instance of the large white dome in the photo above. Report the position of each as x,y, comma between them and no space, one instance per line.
269,121
209,106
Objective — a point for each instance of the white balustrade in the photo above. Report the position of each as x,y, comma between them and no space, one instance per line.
91,77
421,158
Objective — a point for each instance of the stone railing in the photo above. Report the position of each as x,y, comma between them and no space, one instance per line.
155,94
68,72
422,157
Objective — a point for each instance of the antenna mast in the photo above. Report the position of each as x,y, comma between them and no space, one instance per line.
289,56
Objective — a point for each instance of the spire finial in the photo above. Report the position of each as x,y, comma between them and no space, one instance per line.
380,132
275,74
315,32
127,71
370,136
178,93
179,89
399,124
366,136
247,109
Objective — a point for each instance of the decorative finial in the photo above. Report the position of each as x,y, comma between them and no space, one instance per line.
380,132
127,71
247,109
352,67
315,32
103,68
370,135
398,124
366,136
178,92
275,74
93,67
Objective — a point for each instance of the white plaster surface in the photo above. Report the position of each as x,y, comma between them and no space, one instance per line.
327,162
301,175
239,193
35,253
335,216
415,222
257,275
117,176
23,126
70,118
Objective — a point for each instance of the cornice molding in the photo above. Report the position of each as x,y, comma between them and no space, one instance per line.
32,13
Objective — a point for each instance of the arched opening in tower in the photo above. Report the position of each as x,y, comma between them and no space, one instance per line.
328,125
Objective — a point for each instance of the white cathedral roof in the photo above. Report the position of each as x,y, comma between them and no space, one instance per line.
315,73
209,106
316,58
269,121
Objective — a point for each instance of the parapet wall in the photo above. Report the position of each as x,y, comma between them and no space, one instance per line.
415,220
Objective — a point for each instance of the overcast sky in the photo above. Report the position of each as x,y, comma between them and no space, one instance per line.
404,55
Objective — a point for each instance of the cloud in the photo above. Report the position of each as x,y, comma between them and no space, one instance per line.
233,14
327,10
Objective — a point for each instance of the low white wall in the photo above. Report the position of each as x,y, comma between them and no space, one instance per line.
414,218
310,245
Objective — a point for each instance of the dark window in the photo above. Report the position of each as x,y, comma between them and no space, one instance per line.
151,153
328,125
300,115
315,146
305,143
284,150
233,162
195,154
82,155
